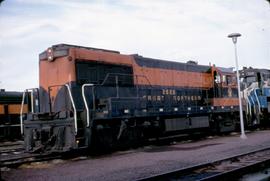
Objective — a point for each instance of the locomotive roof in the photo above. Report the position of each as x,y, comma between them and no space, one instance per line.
62,50
225,70
165,64
248,71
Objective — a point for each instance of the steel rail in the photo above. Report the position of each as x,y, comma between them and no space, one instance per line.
196,172
18,160
15,160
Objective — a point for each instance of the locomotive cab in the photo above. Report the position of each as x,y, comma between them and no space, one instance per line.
224,83
224,99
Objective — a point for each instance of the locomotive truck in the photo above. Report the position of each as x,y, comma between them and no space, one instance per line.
90,98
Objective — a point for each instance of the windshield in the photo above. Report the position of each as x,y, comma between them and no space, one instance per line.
266,77
250,79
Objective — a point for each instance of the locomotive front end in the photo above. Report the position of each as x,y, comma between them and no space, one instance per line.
50,125
256,91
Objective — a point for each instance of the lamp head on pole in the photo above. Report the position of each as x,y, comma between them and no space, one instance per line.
234,36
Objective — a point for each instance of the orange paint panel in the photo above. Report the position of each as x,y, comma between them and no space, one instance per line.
225,102
58,72
62,70
146,76
165,77
2,111
16,108
101,56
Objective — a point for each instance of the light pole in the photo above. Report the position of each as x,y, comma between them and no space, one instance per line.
234,36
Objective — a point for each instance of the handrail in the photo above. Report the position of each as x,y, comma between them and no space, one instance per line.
32,102
120,74
85,102
259,105
74,108
249,106
252,99
109,74
103,82
21,112
22,104
145,78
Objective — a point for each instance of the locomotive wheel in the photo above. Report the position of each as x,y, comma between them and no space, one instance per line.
103,139
131,138
255,121
248,119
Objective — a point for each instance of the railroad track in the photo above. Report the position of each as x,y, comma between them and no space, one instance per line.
17,160
14,157
12,154
230,168
7,148
10,143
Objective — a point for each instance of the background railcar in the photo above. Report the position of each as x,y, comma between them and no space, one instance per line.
10,105
94,97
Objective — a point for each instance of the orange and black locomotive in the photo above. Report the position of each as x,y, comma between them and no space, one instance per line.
92,97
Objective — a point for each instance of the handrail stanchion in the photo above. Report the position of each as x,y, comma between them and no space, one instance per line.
22,105
85,102
74,108
21,112
249,106
32,101
259,104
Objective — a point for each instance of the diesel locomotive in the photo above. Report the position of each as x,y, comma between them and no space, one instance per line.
256,95
91,97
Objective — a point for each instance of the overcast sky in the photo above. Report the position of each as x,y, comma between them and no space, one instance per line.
178,30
